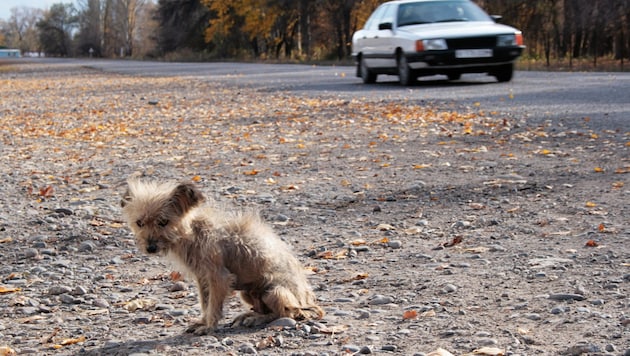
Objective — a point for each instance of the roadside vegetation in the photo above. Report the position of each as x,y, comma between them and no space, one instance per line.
559,34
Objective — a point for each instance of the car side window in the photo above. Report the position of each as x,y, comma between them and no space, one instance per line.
389,15
374,20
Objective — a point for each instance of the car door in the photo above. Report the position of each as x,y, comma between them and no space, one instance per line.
384,39
366,40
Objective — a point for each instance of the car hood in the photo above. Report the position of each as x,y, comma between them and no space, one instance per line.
457,29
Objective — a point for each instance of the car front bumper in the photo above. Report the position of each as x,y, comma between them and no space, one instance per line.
447,60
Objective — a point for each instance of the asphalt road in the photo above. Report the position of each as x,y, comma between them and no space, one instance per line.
599,101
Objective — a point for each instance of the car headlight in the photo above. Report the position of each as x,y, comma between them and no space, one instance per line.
434,44
506,40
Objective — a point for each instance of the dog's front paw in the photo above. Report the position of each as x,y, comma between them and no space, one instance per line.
250,319
199,329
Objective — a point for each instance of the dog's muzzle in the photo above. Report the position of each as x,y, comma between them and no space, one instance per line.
152,247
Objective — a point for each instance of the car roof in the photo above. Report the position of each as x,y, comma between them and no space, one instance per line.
407,1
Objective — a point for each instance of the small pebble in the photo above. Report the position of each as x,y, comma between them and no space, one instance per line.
87,246
449,288
380,300
79,290
350,348
30,253
56,290
566,296
68,299
178,287
533,316
283,323
248,348
365,350
559,310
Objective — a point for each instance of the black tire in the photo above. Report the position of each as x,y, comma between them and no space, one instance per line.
367,75
454,76
504,73
406,76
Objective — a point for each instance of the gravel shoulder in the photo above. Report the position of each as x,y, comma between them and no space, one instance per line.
423,226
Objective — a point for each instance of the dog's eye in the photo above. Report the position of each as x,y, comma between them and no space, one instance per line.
139,223
163,222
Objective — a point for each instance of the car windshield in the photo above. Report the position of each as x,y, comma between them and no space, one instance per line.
417,13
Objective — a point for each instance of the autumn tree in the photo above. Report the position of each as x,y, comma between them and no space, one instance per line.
55,29
182,24
247,25
21,30
90,36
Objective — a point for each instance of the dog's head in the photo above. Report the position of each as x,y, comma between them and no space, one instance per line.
155,211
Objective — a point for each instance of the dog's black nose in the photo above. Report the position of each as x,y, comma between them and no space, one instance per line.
152,247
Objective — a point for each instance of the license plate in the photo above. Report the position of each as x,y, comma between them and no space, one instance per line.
473,53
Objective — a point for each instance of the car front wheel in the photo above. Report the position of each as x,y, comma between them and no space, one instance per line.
405,74
504,73
367,75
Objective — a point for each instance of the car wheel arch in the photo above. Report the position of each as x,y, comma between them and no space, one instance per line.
368,76
408,77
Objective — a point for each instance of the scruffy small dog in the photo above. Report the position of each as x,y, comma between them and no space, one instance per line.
224,252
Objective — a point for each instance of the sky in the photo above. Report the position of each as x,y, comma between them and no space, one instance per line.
7,5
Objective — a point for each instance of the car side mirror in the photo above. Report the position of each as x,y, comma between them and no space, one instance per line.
496,18
385,26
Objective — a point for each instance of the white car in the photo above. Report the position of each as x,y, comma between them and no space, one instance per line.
412,38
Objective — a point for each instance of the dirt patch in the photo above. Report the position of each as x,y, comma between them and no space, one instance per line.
424,226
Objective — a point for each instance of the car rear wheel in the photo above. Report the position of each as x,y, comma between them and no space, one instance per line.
405,74
367,75
504,73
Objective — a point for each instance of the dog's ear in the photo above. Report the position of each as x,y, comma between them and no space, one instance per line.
185,196
125,199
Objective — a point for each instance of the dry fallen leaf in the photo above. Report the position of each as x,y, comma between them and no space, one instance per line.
4,289
142,304
67,342
335,329
410,314
479,249
385,227
413,230
440,352
590,204
176,276
5,240
456,240
265,343
421,166
489,351
47,192
7,351
591,243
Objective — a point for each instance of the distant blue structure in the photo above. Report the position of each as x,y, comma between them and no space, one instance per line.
10,53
